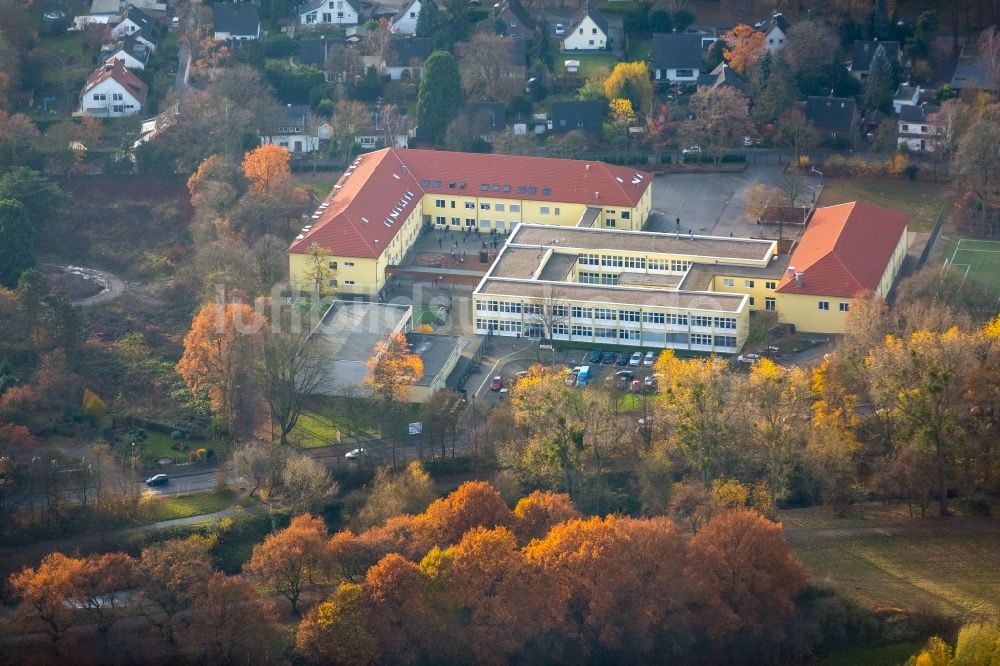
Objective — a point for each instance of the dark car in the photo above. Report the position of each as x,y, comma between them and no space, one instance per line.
608,357
595,356
158,480
623,358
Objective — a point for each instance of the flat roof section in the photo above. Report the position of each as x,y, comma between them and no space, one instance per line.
651,281
616,296
519,262
699,276
589,217
435,351
608,240
558,266
349,330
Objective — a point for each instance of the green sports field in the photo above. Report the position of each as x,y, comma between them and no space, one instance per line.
975,259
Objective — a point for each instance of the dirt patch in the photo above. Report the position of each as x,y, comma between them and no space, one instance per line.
74,287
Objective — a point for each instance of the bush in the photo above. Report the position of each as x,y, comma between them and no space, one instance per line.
279,45
911,171
94,406
176,435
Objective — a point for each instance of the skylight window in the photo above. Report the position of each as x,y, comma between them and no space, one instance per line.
546,190
425,183
521,189
506,188
437,183
496,188
484,188
532,189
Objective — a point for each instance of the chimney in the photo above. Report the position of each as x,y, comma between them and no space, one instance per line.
587,167
798,279
597,195
791,272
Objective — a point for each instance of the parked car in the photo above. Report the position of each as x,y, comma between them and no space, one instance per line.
748,358
158,480
636,359
625,374
54,16
623,358
635,386
649,359
693,150
652,380
503,393
571,379
560,29
608,357
353,454
595,356
497,383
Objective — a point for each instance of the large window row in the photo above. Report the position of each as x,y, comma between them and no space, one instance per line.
499,326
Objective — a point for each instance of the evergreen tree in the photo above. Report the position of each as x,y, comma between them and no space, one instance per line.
778,92
878,85
878,21
440,97
17,240
427,19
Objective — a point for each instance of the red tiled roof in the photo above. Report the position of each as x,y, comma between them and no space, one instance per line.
844,251
392,180
116,70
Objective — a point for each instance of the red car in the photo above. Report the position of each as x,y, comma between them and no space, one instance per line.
497,383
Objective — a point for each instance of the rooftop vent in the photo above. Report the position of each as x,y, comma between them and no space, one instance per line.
365,220
798,279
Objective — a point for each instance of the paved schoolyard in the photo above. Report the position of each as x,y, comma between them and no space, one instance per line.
709,203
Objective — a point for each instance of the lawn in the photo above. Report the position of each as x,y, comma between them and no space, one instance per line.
325,417
589,62
922,202
884,559
884,655
978,259
184,506
639,50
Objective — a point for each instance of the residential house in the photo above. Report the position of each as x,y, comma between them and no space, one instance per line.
676,57
569,115
135,21
849,251
833,117
103,11
864,51
290,128
313,52
236,21
588,31
404,22
905,96
517,19
130,50
405,60
723,76
329,12
112,91
774,29
488,118
708,34
917,131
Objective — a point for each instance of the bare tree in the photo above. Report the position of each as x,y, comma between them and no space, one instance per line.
483,67
720,120
548,311
793,186
306,483
343,64
978,162
989,55
394,124
796,132
260,464
378,35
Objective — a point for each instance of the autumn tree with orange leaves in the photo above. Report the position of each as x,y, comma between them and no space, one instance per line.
290,561
43,593
266,168
217,359
392,369
744,46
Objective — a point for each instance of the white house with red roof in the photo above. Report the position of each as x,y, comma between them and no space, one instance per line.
849,251
379,206
111,91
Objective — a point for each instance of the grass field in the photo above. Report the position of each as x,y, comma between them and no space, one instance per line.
589,63
979,260
884,559
920,201
423,314
884,655
184,506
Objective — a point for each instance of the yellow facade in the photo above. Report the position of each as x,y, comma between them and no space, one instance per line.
761,291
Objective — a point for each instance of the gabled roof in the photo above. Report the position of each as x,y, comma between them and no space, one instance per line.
725,76
917,114
406,49
777,20
831,113
971,73
519,13
116,71
313,52
864,51
140,18
844,250
313,5
676,51
236,18
290,116
569,115
487,116
131,45
381,189
404,11
595,16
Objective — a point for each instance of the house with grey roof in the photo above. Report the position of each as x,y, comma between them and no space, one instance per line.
517,19
329,12
833,117
971,73
917,129
575,114
588,31
864,51
774,29
236,21
134,53
290,128
676,57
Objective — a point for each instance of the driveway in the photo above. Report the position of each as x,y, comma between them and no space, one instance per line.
111,285
708,203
